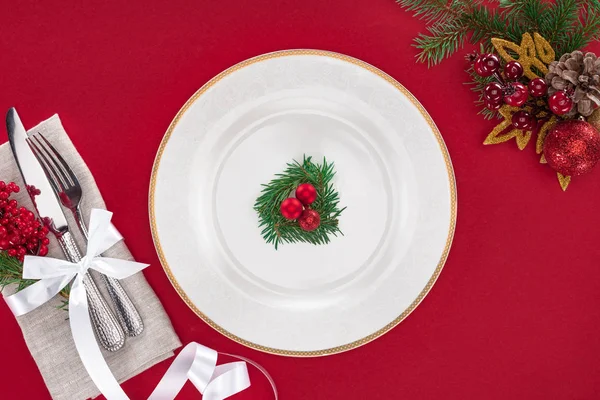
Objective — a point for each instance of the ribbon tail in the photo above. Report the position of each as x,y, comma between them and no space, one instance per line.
87,347
102,234
37,294
227,380
195,362
117,268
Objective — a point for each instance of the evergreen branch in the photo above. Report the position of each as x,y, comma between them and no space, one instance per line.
11,273
275,229
526,13
560,16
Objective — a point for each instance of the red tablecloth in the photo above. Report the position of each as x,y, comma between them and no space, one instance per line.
515,313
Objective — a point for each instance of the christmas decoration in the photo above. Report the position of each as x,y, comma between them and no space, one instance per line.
310,220
306,193
516,72
291,208
316,198
572,147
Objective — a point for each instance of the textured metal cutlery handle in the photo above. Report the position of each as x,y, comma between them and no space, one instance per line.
126,312
108,331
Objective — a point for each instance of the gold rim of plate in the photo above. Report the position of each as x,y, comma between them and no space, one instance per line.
451,179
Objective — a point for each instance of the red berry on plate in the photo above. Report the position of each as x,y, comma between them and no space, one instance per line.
306,193
517,95
310,220
513,70
43,250
538,87
291,208
560,103
493,92
523,120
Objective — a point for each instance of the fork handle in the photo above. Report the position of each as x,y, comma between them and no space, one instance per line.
109,332
128,315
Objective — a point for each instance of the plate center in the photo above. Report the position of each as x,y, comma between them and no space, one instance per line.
262,152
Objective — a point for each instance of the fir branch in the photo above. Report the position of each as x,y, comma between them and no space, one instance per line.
11,273
560,16
525,13
275,228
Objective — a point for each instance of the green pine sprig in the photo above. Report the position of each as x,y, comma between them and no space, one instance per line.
568,25
11,273
275,228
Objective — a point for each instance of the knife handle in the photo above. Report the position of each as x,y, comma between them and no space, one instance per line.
108,331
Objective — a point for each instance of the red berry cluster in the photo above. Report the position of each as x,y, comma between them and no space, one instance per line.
509,90
299,207
20,232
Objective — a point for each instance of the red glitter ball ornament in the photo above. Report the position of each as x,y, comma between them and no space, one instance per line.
310,220
291,208
306,193
572,147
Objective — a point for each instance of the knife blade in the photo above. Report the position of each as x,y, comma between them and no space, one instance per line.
45,202
109,332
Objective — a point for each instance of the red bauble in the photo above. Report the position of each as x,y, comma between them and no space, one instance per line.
310,220
560,103
306,193
572,147
517,94
291,208
538,87
513,70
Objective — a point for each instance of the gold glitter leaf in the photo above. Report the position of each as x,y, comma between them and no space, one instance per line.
505,131
563,180
537,54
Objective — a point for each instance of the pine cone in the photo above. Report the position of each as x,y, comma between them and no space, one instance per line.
579,75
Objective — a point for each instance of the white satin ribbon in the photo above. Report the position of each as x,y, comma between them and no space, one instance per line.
195,362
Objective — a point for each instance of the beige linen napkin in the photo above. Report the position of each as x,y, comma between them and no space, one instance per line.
46,329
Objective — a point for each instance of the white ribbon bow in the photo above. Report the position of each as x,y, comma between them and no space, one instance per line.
195,362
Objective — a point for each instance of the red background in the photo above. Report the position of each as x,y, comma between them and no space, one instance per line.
515,312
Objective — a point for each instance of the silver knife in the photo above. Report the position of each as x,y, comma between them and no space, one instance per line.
108,330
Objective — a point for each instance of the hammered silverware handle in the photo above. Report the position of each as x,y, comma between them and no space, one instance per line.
126,312
108,331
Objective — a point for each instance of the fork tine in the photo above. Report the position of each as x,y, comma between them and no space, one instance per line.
64,179
61,160
47,166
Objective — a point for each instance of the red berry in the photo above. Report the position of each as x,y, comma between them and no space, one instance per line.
2,186
523,120
43,250
493,92
3,232
21,251
517,95
31,246
306,193
538,87
4,244
12,204
486,65
560,103
45,241
492,105
15,239
310,220
291,208
12,252
14,187
513,70
29,216
3,195
4,221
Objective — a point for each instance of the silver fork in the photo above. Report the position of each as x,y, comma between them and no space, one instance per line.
67,188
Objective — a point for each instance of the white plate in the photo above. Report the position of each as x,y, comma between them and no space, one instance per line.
393,173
